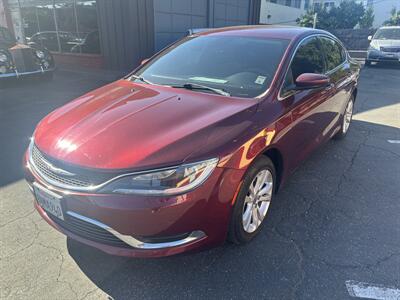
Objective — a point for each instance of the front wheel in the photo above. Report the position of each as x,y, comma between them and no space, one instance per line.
253,201
347,117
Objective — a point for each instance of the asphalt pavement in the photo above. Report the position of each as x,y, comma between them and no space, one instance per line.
333,231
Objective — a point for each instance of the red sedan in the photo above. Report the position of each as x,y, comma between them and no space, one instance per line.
190,148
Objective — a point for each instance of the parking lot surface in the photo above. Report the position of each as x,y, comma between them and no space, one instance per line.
336,222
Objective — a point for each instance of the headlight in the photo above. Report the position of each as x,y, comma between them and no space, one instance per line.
163,182
40,54
3,57
374,46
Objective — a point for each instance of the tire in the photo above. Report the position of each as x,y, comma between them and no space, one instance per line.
245,204
343,128
367,63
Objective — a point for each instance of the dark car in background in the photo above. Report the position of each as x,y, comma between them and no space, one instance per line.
90,44
50,41
20,59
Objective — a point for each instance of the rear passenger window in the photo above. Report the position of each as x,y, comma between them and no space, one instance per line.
333,51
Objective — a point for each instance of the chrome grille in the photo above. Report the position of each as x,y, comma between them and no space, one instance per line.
43,166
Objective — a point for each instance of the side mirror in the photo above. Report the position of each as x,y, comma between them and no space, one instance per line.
311,81
144,61
370,38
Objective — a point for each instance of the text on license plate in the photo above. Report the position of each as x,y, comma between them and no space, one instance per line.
49,201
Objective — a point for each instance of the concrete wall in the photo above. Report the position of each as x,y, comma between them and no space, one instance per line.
273,13
354,39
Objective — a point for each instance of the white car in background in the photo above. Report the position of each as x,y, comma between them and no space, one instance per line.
384,46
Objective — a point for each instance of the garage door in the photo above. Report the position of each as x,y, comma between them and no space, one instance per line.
231,12
172,18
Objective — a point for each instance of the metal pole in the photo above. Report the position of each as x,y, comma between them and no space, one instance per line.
37,20
21,27
315,20
56,25
77,25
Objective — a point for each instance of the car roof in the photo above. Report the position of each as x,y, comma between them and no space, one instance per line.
267,31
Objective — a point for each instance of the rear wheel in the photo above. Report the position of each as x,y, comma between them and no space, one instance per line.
367,63
253,201
347,117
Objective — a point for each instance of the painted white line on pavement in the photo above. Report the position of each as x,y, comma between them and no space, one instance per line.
394,141
370,291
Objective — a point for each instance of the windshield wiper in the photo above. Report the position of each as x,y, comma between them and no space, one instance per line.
195,86
140,79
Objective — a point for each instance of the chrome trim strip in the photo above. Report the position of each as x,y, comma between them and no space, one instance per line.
135,243
17,74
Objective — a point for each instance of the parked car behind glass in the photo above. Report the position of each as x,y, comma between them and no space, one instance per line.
19,59
384,46
49,40
90,44
190,148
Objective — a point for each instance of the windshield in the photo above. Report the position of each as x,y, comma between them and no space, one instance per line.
387,34
241,66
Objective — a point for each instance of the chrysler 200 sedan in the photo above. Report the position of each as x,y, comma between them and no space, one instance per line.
190,149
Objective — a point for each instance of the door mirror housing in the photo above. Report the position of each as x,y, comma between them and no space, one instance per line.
311,81
370,38
144,61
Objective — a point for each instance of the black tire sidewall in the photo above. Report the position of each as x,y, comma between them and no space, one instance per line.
237,234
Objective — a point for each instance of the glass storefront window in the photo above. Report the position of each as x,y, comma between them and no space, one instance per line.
67,26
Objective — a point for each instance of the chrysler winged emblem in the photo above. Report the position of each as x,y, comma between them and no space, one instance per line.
57,170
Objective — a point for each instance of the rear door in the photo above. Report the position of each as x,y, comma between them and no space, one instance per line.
339,71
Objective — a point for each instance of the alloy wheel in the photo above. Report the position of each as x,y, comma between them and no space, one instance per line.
257,200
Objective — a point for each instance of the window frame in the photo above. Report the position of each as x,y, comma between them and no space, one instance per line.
316,35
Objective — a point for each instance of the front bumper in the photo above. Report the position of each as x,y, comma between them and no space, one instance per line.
380,56
139,226
17,74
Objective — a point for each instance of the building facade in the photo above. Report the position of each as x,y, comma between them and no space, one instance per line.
284,12
118,34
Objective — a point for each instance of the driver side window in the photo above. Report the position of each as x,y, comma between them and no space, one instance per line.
308,59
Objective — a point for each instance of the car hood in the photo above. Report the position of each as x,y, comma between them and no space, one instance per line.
125,125
384,43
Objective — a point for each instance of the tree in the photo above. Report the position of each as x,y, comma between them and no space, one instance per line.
394,19
347,15
367,20
306,20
